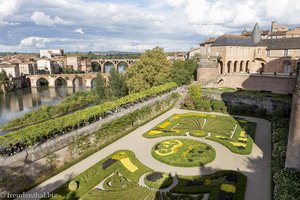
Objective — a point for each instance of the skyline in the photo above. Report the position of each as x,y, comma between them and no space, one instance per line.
95,25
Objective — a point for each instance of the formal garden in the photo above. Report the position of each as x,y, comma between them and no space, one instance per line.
119,174
235,133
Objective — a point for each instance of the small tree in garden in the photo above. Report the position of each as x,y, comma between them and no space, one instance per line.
117,84
195,91
101,89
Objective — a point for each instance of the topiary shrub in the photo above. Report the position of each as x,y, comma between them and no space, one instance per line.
218,105
203,105
73,186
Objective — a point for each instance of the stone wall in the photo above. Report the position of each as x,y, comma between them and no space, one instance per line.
268,103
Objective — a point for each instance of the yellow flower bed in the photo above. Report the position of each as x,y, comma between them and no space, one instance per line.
243,139
154,132
129,165
175,117
174,149
120,156
164,125
238,144
243,134
228,188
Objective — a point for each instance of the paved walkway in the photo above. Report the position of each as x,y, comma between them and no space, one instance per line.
256,166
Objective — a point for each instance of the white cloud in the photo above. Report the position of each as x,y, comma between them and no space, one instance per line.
38,42
80,31
41,18
7,8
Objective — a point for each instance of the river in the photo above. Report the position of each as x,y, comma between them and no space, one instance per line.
17,103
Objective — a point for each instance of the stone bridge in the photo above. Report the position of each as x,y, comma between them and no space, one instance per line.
71,80
105,65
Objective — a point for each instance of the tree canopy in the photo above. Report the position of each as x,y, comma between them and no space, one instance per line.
152,69
117,84
3,76
183,72
101,89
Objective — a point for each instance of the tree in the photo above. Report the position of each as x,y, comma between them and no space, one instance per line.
101,89
195,92
117,84
152,69
3,76
183,72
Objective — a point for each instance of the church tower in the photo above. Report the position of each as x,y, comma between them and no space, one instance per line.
256,34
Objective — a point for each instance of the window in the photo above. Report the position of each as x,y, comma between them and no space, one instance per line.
286,52
259,51
230,50
268,53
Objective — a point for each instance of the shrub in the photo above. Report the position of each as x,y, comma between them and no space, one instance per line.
203,104
218,105
188,103
287,184
261,112
195,91
73,186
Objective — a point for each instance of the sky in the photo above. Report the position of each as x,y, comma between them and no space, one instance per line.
132,25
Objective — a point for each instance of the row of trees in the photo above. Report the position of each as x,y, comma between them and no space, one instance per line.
152,69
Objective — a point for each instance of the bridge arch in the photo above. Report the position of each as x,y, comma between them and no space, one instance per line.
59,81
122,66
108,65
41,82
78,82
95,67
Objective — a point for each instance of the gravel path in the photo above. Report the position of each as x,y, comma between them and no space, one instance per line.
256,166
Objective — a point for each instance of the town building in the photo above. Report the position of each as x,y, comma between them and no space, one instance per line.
47,66
74,62
11,69
50,53
28,68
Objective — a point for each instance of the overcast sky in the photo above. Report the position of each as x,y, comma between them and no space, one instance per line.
132,25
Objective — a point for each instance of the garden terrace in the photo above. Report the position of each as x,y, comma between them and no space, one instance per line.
234,133
39,133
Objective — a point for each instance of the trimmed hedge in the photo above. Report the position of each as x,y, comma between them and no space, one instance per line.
158,180
58,126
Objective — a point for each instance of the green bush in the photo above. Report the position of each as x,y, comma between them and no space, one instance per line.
218,105
287,184
261,112
195,91
203,105
73,186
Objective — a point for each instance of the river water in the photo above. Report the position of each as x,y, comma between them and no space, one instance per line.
17,103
